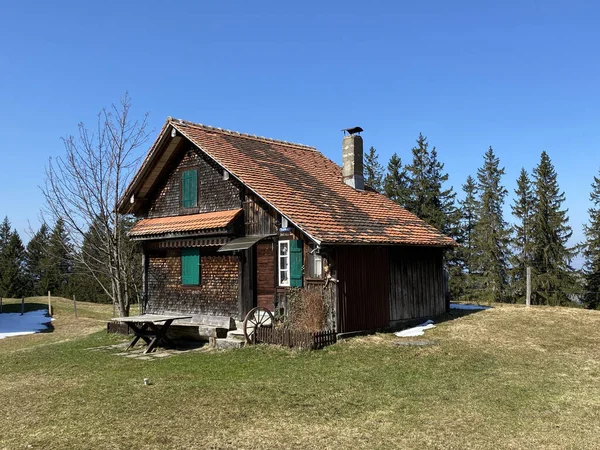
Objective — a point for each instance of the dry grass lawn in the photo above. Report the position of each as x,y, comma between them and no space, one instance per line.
508,377
91,318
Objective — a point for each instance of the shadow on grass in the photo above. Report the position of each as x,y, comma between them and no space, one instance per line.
14,307
452,314
18,308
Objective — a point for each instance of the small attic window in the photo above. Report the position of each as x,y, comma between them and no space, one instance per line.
284,222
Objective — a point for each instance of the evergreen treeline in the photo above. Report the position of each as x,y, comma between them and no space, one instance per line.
489,263
492,257
47,263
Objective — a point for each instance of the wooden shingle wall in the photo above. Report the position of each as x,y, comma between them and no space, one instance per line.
217,295
214,193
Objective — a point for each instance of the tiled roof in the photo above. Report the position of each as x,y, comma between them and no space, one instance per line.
307,188
184,224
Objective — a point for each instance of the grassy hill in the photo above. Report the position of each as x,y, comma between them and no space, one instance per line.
508,377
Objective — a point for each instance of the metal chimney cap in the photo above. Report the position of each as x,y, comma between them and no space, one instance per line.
352,131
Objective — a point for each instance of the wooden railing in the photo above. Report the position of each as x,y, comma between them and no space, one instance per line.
292,338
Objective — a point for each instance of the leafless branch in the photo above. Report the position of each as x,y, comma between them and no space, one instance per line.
83,188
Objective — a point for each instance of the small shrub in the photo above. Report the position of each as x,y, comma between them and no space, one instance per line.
306,310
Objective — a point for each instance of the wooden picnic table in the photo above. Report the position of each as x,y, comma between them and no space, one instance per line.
151,328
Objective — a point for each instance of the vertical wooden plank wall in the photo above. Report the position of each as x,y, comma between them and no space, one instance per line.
417,283
248,281
363,288
260,219
265,274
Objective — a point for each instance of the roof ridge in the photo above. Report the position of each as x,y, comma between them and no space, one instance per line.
243,135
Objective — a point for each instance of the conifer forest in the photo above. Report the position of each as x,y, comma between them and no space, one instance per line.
488,264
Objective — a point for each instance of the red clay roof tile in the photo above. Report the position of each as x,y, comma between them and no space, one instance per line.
184,224
307,188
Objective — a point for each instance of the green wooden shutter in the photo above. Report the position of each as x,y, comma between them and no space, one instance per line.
296,263
189,188
190,266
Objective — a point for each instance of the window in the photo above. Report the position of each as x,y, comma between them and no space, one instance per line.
189,188
284,263
315,263
290,263
190,267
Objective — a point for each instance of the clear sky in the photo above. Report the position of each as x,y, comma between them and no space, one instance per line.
522,76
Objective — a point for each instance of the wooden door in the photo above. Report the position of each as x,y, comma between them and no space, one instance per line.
363,288
265,274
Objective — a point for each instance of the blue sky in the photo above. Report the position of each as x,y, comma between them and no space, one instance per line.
520,76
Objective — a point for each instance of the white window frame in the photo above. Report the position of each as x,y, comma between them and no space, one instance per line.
314,258
279,269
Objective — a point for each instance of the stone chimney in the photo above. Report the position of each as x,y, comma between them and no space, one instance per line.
352,160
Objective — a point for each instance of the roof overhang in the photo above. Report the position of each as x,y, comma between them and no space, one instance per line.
211,223
243,243
159,155
446,246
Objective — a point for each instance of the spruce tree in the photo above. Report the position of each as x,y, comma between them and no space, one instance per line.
445,214
12,259
418,183
373,170
427,197
468,209
60,259
551,257
491,233
396,183
591,249
36,261
5,232
91,271
461,280
522,210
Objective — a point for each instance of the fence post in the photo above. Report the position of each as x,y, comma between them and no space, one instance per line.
528,298
0,304
49,305
75,305
22,305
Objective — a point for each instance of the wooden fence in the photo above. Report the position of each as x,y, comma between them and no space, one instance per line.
291,338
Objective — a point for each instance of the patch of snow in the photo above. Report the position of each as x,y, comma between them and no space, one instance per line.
416,331
15,324
468,307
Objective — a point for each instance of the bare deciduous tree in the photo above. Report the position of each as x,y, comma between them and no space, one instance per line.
84,188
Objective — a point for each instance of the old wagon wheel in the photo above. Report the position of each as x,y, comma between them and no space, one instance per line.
256,318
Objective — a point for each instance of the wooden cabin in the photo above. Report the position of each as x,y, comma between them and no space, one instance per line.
229,221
